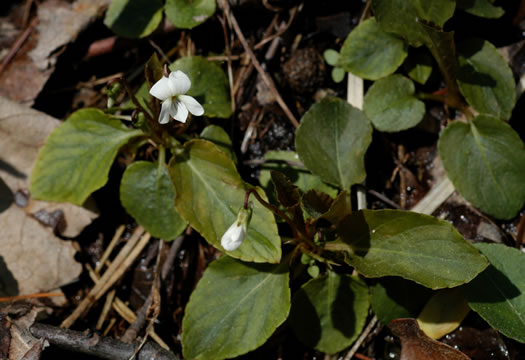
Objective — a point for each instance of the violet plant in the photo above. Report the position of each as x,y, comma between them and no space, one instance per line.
245,295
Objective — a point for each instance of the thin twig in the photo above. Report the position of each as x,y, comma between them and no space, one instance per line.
361,338
95,293
226,8
18,44
110,248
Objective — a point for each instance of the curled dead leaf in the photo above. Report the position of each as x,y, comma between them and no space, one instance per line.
415,345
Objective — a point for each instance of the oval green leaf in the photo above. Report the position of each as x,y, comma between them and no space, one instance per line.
403,17
329,312
210,193
186,14
209,85
77,156
498,293
482,8
332,140
485,160
147,194
219,137
414,246
288,163
391,106
370,52
234,309
485,79
133,18
331,57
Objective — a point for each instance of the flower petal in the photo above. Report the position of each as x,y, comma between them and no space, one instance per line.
192,105
233,237
180,113
166,110
161,89
179,82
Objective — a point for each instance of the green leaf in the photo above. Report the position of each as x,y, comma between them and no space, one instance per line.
219,137
418,65
210,193
329,312
338,74
186,14
234,309
391,106
414,246
147,194
485,160
405,17
394,298
332,140
331,57
209,85
284,162
485,79
370,52
482,8
498,293
133,18
77,156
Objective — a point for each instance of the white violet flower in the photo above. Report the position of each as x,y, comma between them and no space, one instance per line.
170,90
234,236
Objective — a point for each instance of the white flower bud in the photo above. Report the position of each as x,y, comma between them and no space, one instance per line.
234,236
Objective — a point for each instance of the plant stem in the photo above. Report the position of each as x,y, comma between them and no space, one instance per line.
298,233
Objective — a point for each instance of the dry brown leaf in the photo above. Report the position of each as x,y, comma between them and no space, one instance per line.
415,345
32,254
59,23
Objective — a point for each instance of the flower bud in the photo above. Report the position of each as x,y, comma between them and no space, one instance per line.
234,236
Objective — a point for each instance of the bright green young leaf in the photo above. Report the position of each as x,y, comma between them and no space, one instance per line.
485,160
133,18
418,65
209,85
394,298
338,74
210,193
329,312
331,57
498,293
391,106
485,79
288,163
147,194
443,313
186,14
414,246
404,17
482,8
219,137
77,156
370,52
234,309
332,140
